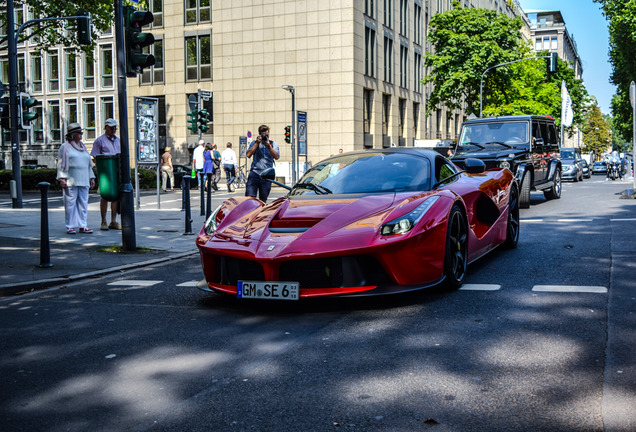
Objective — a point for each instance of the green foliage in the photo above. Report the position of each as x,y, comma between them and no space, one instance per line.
622,32
466,42
596,132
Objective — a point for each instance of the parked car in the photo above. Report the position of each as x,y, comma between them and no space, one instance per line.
587,172
599,168
416,222
572,164
526,144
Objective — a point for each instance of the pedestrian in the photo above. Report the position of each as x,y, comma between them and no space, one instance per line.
265,151
228,160
208,166
198,161
75,174
217,165
108,143
167,170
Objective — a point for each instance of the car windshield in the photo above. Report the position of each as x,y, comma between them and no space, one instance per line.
375,172
482,134
567,154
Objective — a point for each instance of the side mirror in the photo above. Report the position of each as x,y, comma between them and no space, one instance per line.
474,166
269,174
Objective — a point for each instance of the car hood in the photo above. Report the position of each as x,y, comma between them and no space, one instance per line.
288,225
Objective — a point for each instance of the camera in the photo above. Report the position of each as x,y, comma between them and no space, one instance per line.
264,138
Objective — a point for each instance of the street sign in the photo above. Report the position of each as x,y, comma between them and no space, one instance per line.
205,94
193,102
302,133
632,93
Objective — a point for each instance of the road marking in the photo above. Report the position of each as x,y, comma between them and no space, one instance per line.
623,220
575,220
145,283
570,289
188,284
480,287
531,220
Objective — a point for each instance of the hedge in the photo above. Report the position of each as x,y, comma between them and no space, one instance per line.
31,178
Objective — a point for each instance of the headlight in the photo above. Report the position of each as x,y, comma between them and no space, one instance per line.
405,223
504,164
210,224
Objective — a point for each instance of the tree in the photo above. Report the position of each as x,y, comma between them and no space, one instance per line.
466,42
51,33
596,132
622,31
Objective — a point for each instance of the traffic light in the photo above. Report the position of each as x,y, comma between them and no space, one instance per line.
204,118
287,134
136,60
192,121
84,33
26,115
552,62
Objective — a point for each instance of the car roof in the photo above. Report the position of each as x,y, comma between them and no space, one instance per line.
415,151
509,118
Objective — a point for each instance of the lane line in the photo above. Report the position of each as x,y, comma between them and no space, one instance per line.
570,289
480,287
188,284
145,283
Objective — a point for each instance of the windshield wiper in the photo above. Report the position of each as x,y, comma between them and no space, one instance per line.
314,187
500,143
474,144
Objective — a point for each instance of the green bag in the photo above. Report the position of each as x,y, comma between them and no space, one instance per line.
194,173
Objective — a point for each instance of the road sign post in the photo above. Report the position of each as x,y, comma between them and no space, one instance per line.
632,96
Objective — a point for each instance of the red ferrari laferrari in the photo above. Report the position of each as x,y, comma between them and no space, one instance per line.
361,223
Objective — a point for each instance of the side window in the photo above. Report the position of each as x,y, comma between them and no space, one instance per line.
544,132
443,169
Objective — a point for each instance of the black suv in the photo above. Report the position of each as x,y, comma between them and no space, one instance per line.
528,145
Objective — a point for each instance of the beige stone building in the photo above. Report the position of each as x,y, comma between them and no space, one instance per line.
356,67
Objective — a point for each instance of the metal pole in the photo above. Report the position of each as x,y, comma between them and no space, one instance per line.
293,137
633,139
186,195
13,104
127,204
45,247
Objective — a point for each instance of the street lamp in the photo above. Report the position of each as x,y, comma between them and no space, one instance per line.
293,131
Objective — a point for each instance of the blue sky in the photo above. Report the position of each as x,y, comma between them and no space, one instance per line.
585,22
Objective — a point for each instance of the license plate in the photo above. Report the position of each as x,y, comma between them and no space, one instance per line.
268,290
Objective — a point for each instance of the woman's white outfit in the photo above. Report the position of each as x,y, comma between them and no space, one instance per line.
75,165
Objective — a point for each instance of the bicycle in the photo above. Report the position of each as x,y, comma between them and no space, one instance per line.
241,178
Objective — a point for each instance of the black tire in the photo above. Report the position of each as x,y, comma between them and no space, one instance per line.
512,228
456,252
524,195
555,191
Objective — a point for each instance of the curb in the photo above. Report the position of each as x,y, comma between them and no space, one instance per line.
10,290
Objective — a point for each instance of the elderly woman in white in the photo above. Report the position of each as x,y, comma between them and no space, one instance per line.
75,174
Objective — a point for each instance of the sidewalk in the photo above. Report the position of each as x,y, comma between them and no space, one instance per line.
158,234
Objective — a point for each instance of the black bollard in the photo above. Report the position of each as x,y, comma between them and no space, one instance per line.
45,247
202,194
183,192
208,206
186,194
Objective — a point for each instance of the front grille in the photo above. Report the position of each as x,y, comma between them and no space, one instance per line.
230,270
334,272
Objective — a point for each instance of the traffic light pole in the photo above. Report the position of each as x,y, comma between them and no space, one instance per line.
127,201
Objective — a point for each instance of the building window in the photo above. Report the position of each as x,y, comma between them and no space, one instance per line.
36,73
156,7
198,58
89,72
71,111
22,73
107,109
90,122
369,52
416,118
54,121
404,17
402,116
538,44
54,73
71,71
388,13
369,8
197,11
553,43
38,125
417,73
388,60
417,24
438,125
386,113
106,61
368,110
404,66
154,74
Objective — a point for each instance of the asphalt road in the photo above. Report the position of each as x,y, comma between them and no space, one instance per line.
539,340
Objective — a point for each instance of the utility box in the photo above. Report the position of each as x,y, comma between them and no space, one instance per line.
108,176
